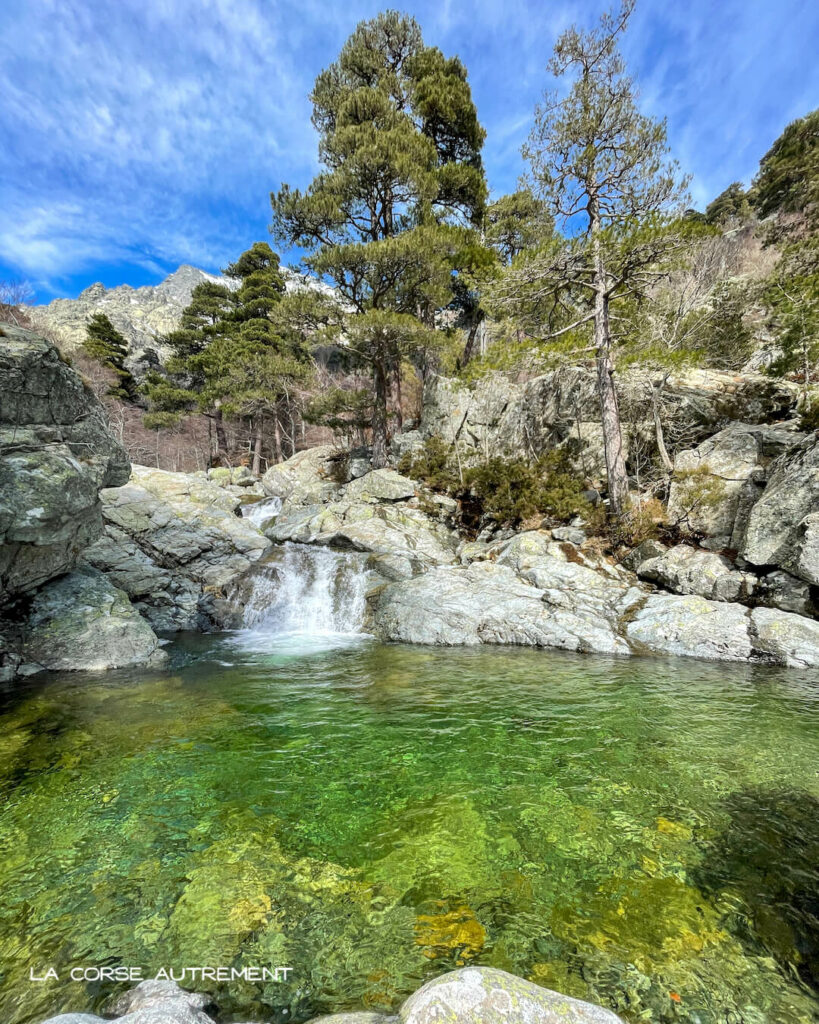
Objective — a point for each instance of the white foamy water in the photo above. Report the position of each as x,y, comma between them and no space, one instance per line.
310,599
259,512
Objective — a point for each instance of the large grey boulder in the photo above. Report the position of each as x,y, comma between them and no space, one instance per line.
174,543
783,526
308,478
486,995
82,622
780,590
691,627
393,528
380,485
487,603
686,570
716,484
790,640
56,453
532,590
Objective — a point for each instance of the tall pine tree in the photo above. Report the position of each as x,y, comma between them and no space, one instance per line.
402,178
231,359
602,167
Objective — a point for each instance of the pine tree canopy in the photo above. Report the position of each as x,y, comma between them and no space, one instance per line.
400,141
104,343
788,178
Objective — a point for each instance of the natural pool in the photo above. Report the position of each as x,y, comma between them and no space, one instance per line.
642,833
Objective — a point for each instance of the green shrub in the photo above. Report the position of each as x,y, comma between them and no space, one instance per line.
433,465
511,490
809,413
505,490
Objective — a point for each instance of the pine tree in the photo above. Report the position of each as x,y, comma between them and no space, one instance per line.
791,298
601,165
180,389
788,177
400,146
231,359
516,222
104,343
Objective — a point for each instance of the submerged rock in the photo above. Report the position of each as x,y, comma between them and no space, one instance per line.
363,1017
472,995
160,996
485,995
82,622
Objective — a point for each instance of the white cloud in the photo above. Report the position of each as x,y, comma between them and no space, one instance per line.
151,131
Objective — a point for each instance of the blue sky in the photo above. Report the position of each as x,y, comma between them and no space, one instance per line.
136,135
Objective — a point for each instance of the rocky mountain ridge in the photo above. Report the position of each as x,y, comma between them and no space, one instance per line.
142,315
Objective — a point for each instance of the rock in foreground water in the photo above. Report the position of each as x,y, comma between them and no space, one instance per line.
472,995
485,995
83,622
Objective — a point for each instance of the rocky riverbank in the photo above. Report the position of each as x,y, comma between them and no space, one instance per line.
473,995
94,562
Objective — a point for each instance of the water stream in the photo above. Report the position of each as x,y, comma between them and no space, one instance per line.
640,832
303,598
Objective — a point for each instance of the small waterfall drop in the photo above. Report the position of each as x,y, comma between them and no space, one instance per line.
259,512
308,598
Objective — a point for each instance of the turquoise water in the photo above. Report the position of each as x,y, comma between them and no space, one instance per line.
643,833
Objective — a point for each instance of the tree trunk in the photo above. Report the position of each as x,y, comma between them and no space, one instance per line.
257,446
399,412
221,437
277,439
469,347
659,433
379,459
606,390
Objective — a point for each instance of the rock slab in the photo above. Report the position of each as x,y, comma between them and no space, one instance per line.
56,454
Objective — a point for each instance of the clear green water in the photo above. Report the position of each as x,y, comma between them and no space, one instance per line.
642,833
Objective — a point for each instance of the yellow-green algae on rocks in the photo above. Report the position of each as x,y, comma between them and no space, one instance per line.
639,834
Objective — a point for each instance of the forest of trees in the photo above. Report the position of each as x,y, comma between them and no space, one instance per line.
597,259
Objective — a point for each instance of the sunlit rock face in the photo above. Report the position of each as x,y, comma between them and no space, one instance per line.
144,316
560,409
56,454
174,543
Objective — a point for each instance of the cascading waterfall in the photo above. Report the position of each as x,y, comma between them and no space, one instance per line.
309,597
259,512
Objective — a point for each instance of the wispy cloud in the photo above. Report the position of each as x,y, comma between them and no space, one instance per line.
144,133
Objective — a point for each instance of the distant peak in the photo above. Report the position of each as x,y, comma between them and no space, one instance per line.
94,291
